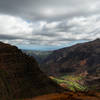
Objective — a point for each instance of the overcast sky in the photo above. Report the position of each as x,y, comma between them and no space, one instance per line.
49,24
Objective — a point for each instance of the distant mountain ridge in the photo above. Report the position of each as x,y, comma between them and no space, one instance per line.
75,59
38,55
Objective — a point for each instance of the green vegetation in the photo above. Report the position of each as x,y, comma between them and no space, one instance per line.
72,83
72,77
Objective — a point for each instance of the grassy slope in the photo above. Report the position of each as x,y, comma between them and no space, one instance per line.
71,82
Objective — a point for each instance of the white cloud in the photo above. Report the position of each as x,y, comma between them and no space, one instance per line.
15,26
52,25
85,27
55,33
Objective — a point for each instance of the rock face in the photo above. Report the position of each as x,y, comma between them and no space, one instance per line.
5,90
81,58
20,75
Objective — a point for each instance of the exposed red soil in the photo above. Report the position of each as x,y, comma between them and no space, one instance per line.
69,96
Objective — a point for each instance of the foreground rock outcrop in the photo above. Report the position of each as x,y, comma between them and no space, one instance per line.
20,76
5,90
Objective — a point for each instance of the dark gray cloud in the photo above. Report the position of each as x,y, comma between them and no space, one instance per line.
49,9
8,37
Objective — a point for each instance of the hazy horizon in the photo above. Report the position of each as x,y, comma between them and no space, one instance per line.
47,48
